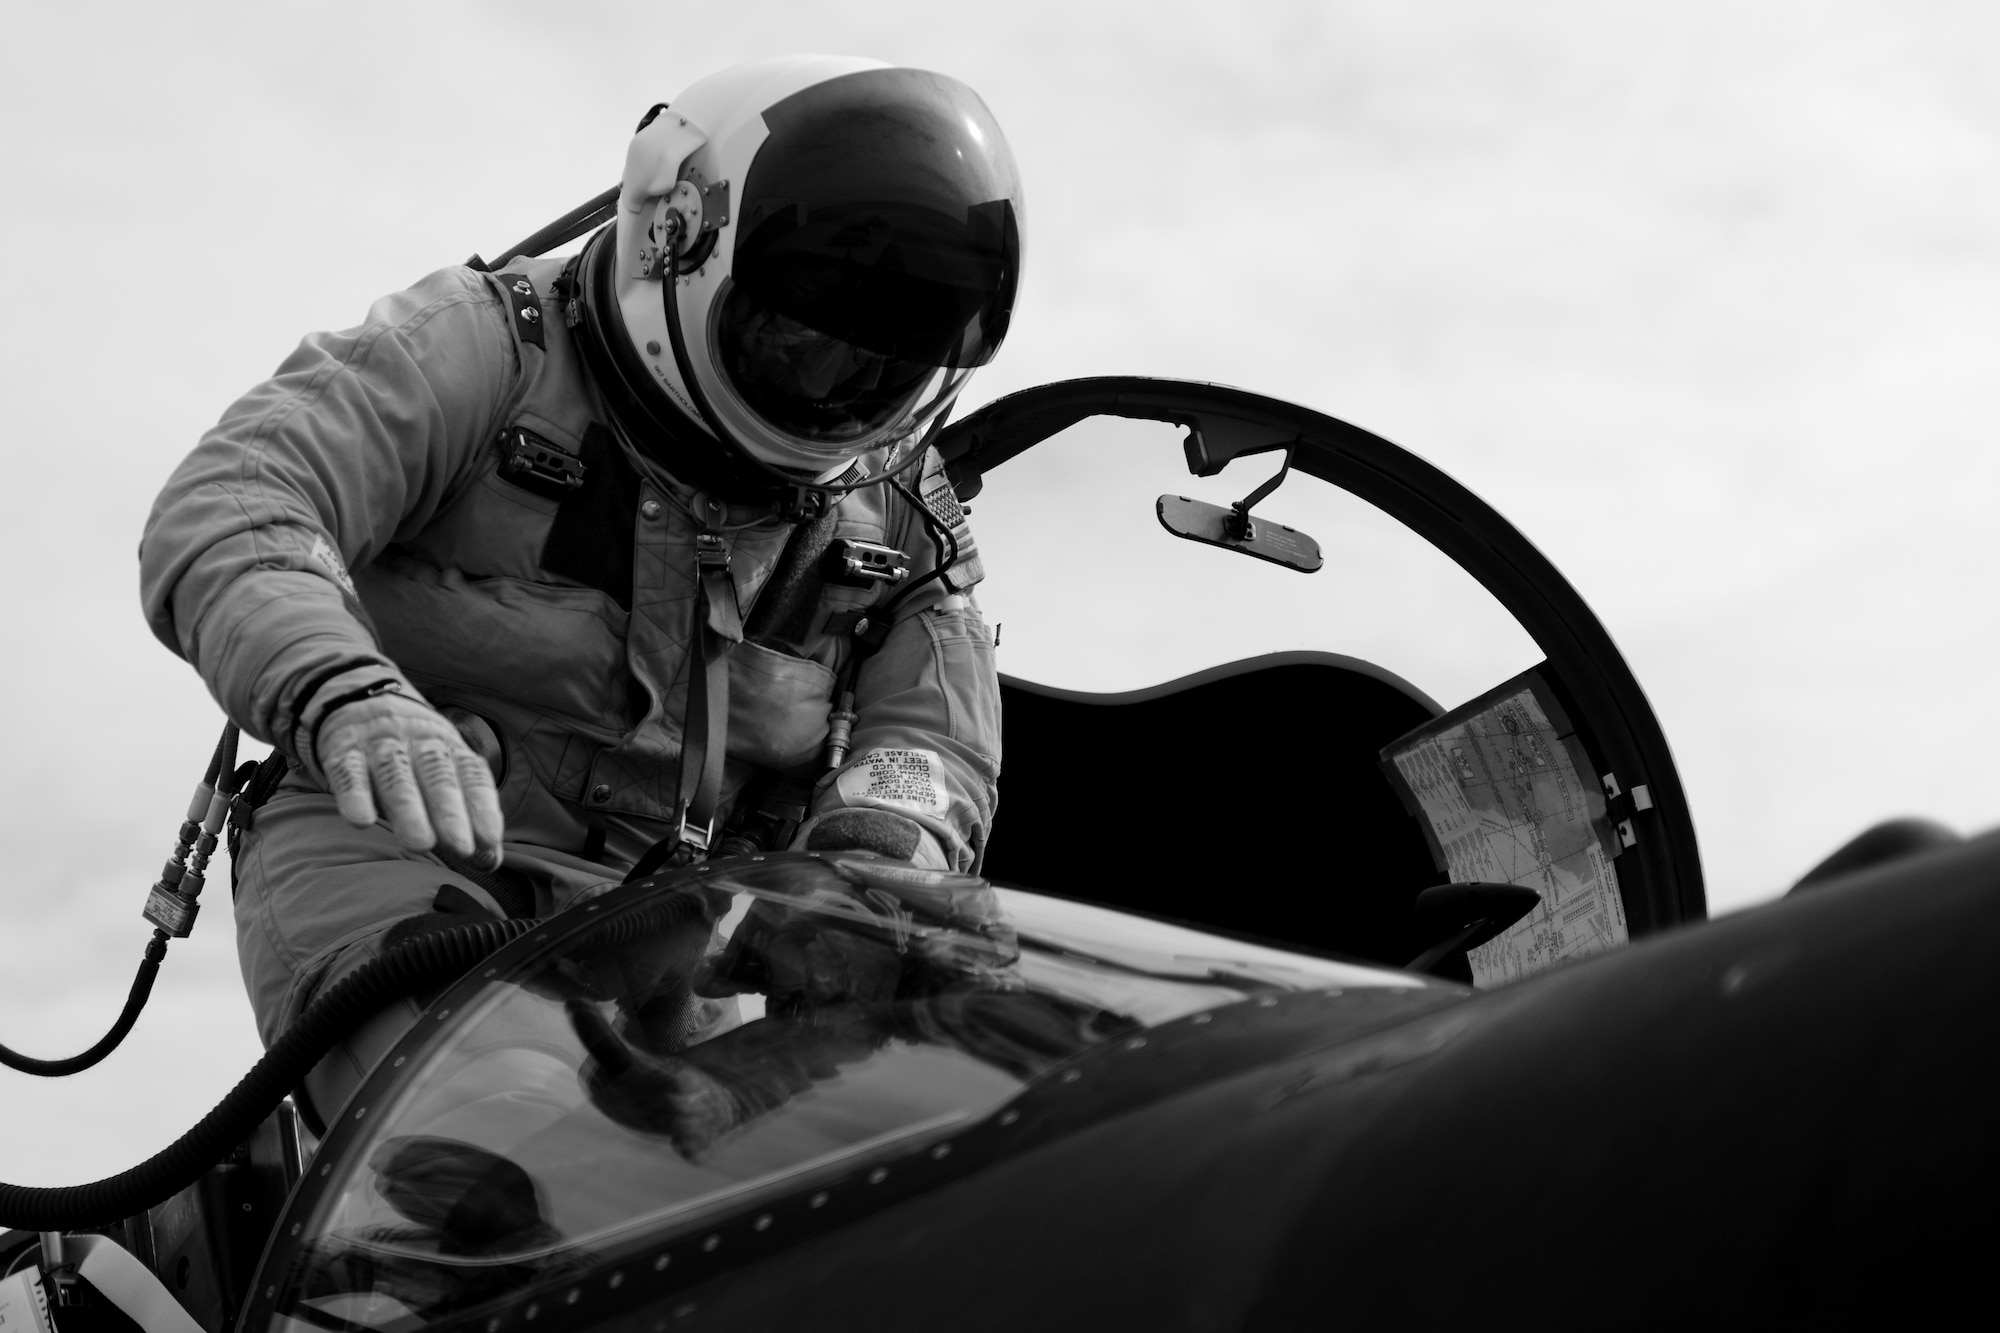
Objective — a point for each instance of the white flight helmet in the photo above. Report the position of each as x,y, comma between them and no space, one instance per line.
846,252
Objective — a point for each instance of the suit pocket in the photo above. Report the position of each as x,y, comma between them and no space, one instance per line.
962,648
778,706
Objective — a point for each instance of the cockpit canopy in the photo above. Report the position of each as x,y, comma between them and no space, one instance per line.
713,1045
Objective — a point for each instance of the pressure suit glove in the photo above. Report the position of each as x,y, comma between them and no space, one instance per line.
866,829
388,756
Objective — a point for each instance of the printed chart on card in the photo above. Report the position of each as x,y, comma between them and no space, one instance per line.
1505,793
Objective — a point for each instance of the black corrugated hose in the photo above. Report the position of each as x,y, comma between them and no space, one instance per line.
219,777
421,960
135,1000
424,959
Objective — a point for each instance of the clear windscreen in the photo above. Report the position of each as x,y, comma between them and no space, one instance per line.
689,1052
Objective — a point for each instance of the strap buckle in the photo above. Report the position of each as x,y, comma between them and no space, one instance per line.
696,840
710,551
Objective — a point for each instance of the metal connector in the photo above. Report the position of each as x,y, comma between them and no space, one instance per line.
696,840
859,564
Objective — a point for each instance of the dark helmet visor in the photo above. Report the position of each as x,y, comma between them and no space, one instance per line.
882,215
809,383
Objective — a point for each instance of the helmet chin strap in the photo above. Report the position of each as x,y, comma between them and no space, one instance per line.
806,498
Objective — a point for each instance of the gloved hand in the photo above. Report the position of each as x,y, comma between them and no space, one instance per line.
394,757
870,932
867,829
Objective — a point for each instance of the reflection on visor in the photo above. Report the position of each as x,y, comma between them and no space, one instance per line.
877,244
806,382
904,280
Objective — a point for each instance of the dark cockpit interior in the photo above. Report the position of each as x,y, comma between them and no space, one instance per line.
1250,800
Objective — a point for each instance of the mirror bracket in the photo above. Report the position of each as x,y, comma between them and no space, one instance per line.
1240,525
1233,528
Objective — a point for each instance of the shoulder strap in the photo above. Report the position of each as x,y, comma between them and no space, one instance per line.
525,304
524,311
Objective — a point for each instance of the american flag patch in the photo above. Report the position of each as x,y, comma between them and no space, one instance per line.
942,501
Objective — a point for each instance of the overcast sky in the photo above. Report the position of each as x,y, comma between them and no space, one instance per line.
1705,298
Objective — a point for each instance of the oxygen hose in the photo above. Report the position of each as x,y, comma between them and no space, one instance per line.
438,956
171,907
135,1000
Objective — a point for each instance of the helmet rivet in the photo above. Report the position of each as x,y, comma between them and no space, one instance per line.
652,347
651,509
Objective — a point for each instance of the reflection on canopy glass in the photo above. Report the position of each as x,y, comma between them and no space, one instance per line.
694,1050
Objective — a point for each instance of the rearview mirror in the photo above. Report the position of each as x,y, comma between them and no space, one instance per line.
1236,529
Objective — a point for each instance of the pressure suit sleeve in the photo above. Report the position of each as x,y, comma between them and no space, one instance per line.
352,445
926,741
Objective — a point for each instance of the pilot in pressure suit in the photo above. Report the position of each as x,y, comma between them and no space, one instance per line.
528,583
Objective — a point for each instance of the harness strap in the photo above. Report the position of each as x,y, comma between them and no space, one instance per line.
705,740
525,308
718,628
